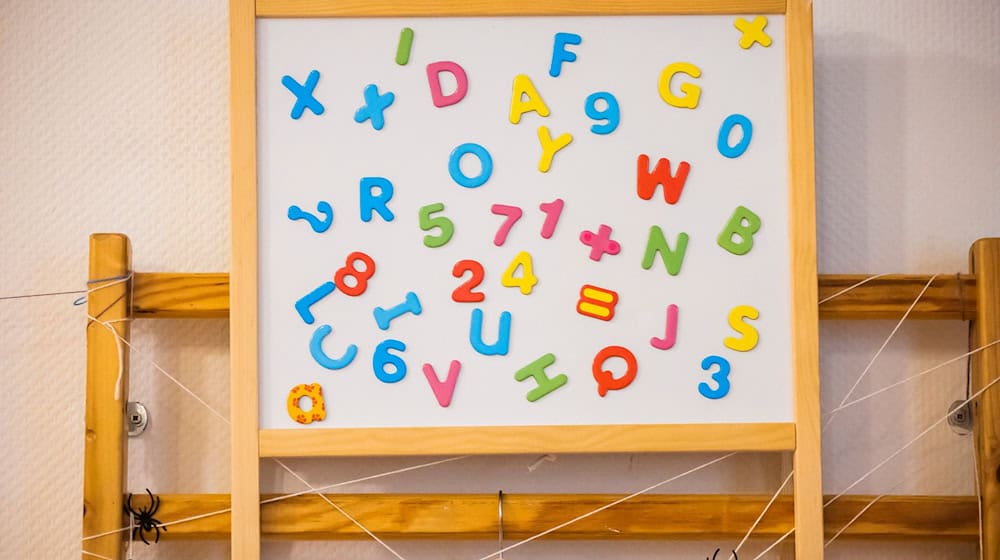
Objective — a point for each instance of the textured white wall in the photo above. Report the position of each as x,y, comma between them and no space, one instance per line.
114,117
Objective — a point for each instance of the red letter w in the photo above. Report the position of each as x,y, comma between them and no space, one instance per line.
647,181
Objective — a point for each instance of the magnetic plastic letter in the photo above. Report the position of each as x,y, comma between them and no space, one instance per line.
316,349
498,348
317,225
305,303
385,316
646,181
691,91
672,258
382,358
749,336
536,370
727,126
667,342
443,390
374,108
455,167
560,54
753,32
370,202
405,44
606,379
550,146
313,392
434,70
743,223
304,94
520,106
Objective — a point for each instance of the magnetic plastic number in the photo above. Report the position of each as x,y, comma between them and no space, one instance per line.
442,223
360,277
527,280
464,293
513,214
383,358
721,377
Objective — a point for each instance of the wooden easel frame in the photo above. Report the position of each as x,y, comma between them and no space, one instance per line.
249,443
158,295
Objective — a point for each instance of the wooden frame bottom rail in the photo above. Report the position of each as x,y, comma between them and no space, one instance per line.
657,516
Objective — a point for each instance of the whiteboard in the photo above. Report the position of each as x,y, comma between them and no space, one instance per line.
324,158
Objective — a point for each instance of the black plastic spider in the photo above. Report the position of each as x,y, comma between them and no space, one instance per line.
145,522
714,555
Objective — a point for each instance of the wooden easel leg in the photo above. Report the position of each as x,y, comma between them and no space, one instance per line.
245,458
105,445
984,262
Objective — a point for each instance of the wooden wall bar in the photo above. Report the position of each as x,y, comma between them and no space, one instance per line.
474,516
160,295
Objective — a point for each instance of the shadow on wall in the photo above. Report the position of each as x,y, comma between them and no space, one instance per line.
905,155
859,102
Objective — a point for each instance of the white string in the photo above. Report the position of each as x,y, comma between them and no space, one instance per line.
114,281
107,325
108,282
95,555
979,497
858,516
908,444
911,442
849,288
292,495
833,413
122,340
338,508
881,348
607,506
911,378
887,459
131,529
761,516
775,543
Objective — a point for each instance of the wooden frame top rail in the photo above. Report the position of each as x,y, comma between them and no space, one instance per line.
474,516
161,295
425,8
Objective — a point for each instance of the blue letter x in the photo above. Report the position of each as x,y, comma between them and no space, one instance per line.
374,106
304,94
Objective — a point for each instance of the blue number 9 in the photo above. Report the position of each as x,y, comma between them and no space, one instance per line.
611,113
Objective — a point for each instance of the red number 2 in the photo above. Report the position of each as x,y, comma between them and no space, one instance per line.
464,293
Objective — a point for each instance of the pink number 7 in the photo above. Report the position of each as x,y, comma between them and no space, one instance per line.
513,214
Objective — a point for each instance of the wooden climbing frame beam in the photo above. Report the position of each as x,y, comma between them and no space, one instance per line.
160,295
105,446
650,516
984,261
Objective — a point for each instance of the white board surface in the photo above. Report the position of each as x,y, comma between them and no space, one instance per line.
323,157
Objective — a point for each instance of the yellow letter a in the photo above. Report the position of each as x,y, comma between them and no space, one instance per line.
520,106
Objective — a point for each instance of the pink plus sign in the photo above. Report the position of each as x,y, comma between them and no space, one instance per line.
600,242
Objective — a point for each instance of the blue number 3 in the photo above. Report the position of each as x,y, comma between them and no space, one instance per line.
721,377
